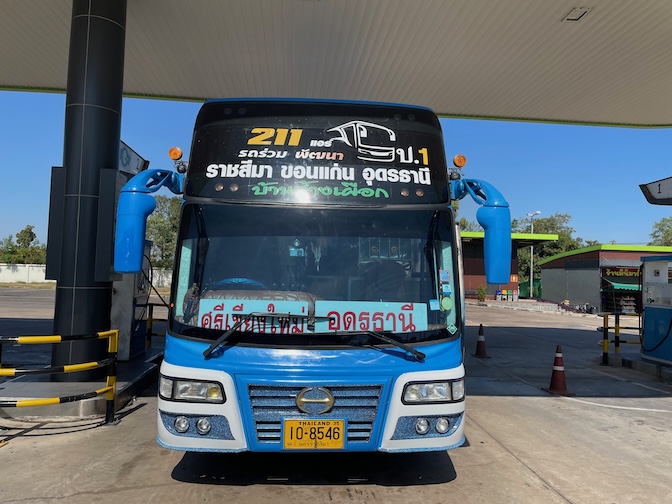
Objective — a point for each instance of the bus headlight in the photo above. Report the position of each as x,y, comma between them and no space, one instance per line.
190,390
433,392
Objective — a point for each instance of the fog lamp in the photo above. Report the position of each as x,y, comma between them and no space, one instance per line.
442,425
181,424
422,426
203,426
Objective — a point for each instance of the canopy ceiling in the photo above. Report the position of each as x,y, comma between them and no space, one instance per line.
509,59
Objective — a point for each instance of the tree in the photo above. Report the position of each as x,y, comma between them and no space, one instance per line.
661,234
162,227
26,250
555,224
25,237
7,250
467,225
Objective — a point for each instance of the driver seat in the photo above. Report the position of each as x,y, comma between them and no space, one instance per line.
384,281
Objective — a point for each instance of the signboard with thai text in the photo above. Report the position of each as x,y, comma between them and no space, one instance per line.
329,316
328,154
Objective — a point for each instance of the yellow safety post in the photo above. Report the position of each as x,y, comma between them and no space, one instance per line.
617,331
605,340
112,349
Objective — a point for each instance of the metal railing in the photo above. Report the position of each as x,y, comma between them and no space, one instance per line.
617,341
110,389
150,322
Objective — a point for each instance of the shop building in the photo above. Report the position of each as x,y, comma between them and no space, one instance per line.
606,277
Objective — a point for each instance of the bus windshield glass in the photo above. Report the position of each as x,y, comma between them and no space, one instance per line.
333,271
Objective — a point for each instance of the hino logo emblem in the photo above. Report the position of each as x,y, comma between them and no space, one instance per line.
317,396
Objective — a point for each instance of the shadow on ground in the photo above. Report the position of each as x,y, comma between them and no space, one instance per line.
315,469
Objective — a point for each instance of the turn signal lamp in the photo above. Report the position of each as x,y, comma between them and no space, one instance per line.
459,161
175,153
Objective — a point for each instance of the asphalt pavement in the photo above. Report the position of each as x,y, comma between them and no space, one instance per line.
608,443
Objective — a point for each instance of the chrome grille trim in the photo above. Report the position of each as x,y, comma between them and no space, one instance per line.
358,404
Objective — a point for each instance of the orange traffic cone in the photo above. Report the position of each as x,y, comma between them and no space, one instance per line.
558,384
480,345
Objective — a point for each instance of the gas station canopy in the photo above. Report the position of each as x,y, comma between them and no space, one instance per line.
601,62
518,240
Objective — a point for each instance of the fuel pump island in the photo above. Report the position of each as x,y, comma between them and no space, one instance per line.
656,278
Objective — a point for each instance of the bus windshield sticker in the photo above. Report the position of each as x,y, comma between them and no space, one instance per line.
224,313
370,316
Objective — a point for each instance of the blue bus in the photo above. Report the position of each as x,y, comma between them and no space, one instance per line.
317,300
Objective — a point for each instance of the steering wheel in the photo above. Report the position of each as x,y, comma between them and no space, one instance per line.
238,282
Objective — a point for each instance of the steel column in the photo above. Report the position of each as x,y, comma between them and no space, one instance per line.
92,131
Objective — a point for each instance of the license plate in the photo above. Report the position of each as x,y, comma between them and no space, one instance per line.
313,434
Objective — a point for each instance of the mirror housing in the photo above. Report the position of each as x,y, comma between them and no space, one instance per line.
129,244
496,222
134,206
495,217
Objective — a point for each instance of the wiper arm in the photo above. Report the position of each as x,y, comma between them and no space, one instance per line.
247,317
419,356
226,334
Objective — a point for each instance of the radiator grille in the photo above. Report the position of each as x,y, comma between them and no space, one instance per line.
358,404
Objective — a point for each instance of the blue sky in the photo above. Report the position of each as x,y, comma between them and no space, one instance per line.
591,173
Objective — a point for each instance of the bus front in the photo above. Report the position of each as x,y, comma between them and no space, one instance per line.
316,298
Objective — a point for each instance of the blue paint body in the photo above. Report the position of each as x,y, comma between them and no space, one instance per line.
363,386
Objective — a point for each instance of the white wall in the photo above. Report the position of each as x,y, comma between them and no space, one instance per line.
25,273
161,277
34,273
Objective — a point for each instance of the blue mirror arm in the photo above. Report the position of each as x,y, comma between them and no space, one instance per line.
150,181
481,192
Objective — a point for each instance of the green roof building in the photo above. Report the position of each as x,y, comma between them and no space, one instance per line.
606,277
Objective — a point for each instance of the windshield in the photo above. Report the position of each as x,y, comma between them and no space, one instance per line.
333,272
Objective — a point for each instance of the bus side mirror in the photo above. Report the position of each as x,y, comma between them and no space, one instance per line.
129,243
496,222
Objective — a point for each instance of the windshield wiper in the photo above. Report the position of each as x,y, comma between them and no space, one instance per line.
419,356
247,317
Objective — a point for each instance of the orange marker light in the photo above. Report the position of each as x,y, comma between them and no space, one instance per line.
459,160
175,153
